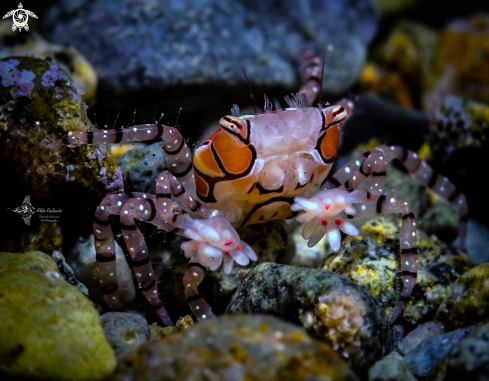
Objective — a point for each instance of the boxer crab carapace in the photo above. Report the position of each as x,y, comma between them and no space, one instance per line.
253,169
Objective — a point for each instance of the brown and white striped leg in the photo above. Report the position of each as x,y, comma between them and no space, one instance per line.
105,248
345,172
311,72
408,242
178,156
191,281
145,210
420,171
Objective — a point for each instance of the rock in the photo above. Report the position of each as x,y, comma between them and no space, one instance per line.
67,272
81,259
38,104
46,237
182,324
457,67
328,305
48,330
235,348
467,301
477,242
189,46
376,80
140,168
69,59
440,219
396,333
423,357
421,333
459,135
390,369
374,262
408,51
468,359
124,331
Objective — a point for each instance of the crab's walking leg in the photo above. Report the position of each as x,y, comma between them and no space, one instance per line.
345,172
178,157
311,72
420,171
191,281
105,246
145,210
195,271
408,242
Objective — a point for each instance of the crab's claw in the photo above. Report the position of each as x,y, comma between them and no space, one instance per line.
325,214
215,241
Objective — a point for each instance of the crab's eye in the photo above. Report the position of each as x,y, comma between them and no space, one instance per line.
339,113
230,124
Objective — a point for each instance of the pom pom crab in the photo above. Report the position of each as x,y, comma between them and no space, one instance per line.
253,169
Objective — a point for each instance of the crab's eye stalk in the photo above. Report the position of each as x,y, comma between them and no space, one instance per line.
230,124
234,126
339,114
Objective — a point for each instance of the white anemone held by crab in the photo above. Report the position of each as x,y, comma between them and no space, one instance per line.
214,241
326,214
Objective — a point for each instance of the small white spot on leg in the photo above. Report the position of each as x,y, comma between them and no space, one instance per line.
197,308
414,234
141,207
195,274
113,298
357,162
407,280
126,212
393,199
119,203
407,263
102,208
111,274
347,170
204,316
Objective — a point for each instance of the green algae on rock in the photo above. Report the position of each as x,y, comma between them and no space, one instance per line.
373,261
390,369
330,306
235,348
48,330
38,104
467,301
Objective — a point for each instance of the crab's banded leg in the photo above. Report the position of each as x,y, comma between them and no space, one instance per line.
191,280
177,189
376,165
345,172
419,170
311,72
105,248
145,210
178,157
408,242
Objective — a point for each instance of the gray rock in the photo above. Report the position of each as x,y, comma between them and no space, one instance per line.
235,348
328,305
421,333
124,331
390,369
81,258
140,168
423,358
159,44
468,360
67,272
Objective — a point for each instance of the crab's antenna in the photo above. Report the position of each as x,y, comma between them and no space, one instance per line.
251,92
178,116
321,83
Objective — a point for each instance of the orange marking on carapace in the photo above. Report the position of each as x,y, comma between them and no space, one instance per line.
324,222
205,161
201,185
239,247
338,221
329,145
236,158
327,206
228,243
